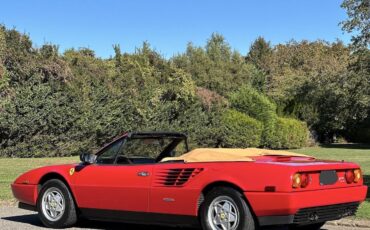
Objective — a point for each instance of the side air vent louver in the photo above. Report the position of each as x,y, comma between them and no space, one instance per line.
176,177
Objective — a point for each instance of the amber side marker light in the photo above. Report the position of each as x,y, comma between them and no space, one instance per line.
300,180
353,176
358,175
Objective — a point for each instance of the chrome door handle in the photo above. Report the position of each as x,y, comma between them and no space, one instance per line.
143,174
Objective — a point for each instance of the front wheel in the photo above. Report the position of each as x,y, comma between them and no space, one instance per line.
225,209
55,205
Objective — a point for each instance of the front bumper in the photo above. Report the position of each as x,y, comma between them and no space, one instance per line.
25,193
284,208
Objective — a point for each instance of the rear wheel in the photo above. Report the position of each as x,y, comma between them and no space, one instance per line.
55,205
225,209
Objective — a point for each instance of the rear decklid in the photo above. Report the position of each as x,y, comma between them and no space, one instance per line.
322,174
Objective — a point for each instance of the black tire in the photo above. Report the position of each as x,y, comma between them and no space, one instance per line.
68,217
245,220
316,226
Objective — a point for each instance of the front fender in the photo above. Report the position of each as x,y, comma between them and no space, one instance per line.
26,187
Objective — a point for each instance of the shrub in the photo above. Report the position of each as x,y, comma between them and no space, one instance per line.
240,130
249,101
289,134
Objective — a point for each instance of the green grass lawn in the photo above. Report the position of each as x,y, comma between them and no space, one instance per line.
11,168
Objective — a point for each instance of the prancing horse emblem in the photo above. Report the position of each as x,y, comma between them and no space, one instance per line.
71,171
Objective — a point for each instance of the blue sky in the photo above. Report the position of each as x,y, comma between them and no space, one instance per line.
168,25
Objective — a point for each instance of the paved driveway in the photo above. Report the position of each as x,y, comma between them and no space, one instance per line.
14,218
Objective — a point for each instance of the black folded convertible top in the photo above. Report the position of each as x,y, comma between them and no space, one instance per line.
157,135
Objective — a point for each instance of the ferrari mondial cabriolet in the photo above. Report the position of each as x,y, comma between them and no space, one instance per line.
153,178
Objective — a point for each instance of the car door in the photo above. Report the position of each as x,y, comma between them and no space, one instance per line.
107,185
169,191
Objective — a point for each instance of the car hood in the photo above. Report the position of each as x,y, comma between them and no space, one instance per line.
34,176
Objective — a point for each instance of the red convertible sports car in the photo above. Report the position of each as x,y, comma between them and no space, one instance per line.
154,178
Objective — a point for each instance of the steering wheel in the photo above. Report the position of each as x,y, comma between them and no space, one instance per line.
123,160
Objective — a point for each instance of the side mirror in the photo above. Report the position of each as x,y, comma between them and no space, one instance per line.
88,158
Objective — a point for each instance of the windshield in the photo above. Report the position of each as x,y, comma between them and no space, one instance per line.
142,150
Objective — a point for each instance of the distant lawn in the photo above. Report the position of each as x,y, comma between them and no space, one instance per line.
11,168
348,152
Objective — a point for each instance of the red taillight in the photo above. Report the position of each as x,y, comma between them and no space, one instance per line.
305,180
350,176
300,180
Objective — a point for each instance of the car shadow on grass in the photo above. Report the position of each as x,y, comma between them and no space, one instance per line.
367,183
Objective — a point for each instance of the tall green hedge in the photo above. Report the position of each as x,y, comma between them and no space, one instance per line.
290,133
278,133
253,103
240,130
54,104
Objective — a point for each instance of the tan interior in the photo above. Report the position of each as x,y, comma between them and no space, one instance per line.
228,154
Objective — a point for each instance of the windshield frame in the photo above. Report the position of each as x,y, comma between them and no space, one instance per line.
176,139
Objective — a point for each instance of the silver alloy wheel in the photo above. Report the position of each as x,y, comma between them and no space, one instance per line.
223,214
53,204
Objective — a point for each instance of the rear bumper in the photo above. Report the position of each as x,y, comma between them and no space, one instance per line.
281,208
25,193
312,215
